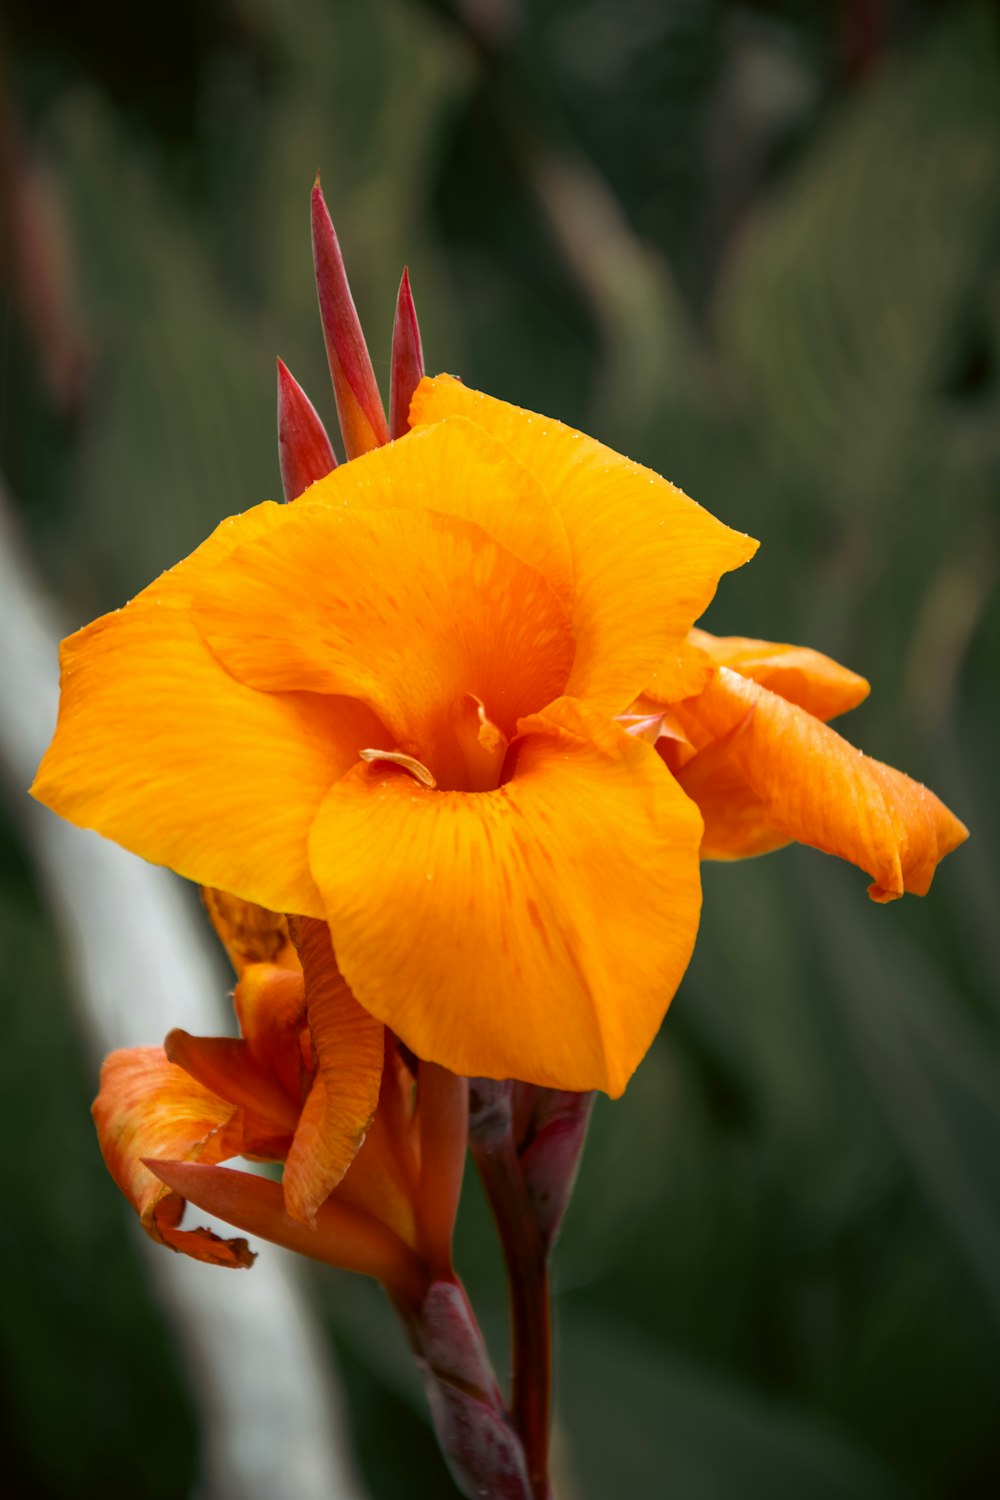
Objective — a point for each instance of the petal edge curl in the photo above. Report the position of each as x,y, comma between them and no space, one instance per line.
148,1107
819,790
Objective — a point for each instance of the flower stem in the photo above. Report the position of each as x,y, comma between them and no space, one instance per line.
491,1139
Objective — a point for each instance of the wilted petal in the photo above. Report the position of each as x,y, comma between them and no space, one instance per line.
148,1107
508,933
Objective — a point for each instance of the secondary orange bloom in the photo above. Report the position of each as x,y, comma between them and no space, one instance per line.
300,1085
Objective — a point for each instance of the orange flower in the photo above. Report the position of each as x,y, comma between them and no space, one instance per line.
391,705
366,1188
450,702
753,750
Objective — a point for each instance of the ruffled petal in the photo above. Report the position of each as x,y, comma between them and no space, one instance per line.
408,610
505,933
349,1047
162,750
812,786
815,682
646,559
147,1107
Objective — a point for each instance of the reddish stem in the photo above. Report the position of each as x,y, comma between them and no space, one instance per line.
491,1139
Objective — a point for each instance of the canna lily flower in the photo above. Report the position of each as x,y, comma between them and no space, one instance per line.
450,702
390,705
371,1175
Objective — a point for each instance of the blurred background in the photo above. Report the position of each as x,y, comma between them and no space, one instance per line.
756,247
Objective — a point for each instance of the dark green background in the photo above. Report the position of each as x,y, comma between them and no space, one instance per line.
755,247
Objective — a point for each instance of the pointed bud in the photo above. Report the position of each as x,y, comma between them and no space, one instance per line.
477,1438
407,359
304,450
359,405
345,1236
550,1160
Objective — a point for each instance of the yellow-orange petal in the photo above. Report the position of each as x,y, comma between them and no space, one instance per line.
737,822
537,931
147,1107
349,1047
407,610
249,933
456,468
162,750
815,682
646,558
819,790
684,671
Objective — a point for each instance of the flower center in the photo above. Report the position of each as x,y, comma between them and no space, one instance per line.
469,757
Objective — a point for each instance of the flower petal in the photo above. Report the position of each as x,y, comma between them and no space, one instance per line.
816,788
737,821
506,933
646,558
408,610
456,468
160,749
349,1047
147,1107
815,682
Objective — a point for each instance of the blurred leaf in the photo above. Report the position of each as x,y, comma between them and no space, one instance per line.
842,298
640,1423
933,1070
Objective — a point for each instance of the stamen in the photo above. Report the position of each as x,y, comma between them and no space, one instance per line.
481,743
646,727
409,763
